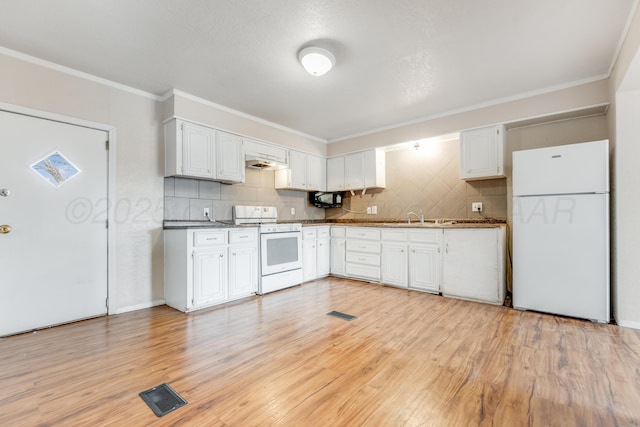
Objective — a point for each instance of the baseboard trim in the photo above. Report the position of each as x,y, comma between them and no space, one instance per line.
628,324
140,306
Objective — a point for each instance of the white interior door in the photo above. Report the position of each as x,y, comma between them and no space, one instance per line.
53,261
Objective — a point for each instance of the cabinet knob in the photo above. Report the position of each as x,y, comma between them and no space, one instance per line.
221,255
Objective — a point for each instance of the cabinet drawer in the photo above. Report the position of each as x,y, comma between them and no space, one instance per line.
338,232
363,233
243,236
309,233
363,258
363,272
323,232
424,236
394,235
209,238
363,246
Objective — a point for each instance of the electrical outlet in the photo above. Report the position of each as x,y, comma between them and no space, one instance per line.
374,210
369,210
205,213
476,207
293,211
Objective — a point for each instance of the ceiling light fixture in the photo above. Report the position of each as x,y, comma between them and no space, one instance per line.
316,61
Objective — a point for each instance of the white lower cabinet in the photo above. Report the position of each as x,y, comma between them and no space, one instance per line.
394,266
323,248
363,253
474,264
209,276
309,254
338,251
243,263
208,267
465,263
425,260
316,252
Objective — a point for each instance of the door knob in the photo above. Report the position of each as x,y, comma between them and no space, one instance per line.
5,229
4,192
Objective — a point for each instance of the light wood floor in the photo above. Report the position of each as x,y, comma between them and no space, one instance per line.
409,358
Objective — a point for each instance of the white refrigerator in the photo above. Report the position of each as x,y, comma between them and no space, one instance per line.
561,230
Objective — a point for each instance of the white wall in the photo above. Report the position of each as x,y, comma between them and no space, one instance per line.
626,293
201,111
625,152
574,98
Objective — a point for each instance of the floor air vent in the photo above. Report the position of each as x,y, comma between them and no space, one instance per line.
341,315
162,399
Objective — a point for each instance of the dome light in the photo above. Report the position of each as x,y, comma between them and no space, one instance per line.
316,61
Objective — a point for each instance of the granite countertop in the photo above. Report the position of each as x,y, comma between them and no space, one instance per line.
447,223
390,223
177,225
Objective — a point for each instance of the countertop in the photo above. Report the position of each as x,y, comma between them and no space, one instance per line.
461,223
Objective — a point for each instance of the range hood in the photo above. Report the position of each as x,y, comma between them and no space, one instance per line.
261,162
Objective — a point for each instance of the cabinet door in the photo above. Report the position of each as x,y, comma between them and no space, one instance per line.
482,153
394,264
470,264
338,250
335,174
198,144
423,268
309,260
243,271
374,168
230,157
316,173
298,170
209,276
353,171
323,265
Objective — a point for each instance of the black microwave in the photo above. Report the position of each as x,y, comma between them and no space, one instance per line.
321,199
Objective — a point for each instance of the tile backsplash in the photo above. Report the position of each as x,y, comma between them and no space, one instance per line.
425,181
186,198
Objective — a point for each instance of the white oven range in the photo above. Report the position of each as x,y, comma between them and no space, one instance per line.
280,247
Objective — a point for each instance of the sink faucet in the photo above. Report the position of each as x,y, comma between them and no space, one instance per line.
421,217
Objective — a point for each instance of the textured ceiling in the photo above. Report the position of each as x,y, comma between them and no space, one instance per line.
396,61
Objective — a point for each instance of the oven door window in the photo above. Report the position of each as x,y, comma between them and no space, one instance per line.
282,250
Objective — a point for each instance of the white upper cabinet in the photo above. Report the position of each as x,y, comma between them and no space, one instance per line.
230,157
189,150
353,171
306,172
298,170
356,171
197,151
316,173
482,153
374,168
335,173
